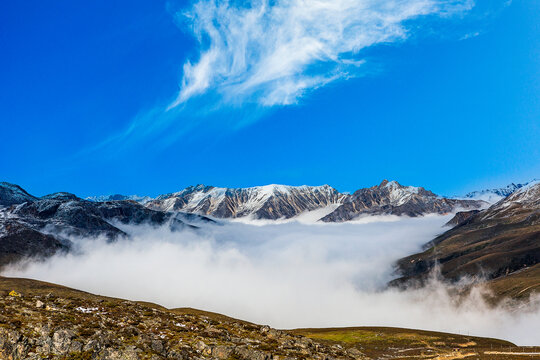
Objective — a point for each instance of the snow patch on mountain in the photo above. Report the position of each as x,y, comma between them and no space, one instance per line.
118,197
306,217
399,194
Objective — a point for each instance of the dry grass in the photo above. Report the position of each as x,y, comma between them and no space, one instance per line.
397,343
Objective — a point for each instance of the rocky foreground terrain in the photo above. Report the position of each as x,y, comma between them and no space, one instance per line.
58,323
285,202
45,321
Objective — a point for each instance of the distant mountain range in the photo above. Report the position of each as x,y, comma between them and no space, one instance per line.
261,202
494,195
40,226
240,202
273,202
392,198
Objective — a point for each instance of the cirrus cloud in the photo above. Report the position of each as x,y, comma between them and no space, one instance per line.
271,52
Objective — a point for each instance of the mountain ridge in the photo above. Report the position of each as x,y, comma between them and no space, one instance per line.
285,202
262,202
390,197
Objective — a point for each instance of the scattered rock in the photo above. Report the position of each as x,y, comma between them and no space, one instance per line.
56,328
222,351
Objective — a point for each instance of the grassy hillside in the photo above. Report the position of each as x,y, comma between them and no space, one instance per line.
397,343
504,253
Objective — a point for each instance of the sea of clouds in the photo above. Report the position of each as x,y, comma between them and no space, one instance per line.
287,275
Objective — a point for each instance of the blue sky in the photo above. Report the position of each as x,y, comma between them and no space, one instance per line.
148,97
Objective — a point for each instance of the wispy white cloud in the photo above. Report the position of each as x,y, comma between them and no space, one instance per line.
271,52
255,54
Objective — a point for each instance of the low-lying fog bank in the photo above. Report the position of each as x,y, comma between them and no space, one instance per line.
287,275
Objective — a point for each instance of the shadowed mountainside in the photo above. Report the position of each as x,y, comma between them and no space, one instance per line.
39,227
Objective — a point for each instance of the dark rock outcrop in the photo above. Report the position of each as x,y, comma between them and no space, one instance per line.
17,240
461,217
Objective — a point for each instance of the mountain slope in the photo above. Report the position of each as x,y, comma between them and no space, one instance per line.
494,243
392,198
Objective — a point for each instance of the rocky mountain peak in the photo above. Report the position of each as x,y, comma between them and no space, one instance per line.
11,194
282,201
392,198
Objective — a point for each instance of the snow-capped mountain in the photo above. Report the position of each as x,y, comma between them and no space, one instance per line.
494,195
286,202
119,197
272,202
390,197
260,202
